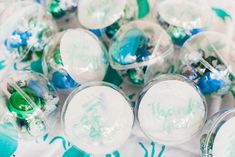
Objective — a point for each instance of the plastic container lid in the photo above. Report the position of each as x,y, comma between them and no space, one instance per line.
171,110
94,122
31,100
218,135
99,14
215,52
138,44
83,55
188,14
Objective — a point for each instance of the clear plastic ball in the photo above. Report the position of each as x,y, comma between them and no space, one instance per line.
208,59
97,124
30,103
136,46
74,57
25,30
183,18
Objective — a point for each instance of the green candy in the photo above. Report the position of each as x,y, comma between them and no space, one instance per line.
55,9
112,30
136,76
19,105
143,7
57,57
113,77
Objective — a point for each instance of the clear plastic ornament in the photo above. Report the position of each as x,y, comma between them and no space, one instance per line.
94,122
183,18
30,104
74,57
218,137
25,30
208,59
101,15
138,45
167,115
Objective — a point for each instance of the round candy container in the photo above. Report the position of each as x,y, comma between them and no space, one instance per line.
171,110
94,122
31,103
74,57
25,30
138,45
208,59
106,15
61,8
218,136
183,18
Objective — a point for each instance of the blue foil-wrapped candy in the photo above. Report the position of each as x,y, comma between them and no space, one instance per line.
74,57
182,18
208,60
209,83
137,46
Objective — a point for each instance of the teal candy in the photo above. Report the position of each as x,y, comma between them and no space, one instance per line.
112,30
37,66
132,44
113,77
143,7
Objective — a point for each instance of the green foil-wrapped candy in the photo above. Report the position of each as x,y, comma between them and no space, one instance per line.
31,103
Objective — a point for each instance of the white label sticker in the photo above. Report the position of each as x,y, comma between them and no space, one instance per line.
171,111
83,56
98,120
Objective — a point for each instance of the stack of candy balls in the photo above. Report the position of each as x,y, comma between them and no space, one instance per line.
166,54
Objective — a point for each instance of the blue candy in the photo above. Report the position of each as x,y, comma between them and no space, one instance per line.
63,80
37,87
133,43
196,31
98,32
208,84
142,55
18,39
